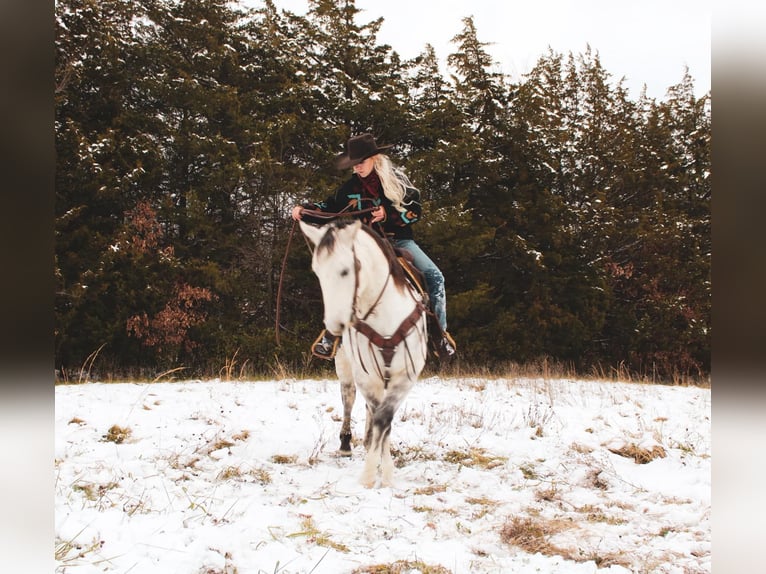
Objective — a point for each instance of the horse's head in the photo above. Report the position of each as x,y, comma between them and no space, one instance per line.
334,263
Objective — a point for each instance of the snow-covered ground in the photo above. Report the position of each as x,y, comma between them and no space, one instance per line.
500,475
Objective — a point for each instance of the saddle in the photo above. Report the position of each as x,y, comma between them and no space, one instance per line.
414,275
418,281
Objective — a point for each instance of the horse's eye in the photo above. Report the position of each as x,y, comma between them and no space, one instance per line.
344,273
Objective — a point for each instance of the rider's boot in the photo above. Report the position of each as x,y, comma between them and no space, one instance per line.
447,346
325,346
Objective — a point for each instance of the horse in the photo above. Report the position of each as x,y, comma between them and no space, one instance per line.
382,320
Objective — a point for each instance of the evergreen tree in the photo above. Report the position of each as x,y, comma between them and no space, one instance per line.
104,158
662,267
360,82
569,221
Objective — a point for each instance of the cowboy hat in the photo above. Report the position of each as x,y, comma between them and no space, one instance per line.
358,149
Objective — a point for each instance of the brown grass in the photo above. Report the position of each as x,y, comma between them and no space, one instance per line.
117,434
474,457
316,536
402,567
430,490
533,535
404,455
638,454
283,459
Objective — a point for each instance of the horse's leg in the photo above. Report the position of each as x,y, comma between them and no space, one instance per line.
394,397
381,428
379,452
386,462
368,427
348,396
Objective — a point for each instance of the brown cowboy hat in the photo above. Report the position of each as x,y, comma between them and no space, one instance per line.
358,149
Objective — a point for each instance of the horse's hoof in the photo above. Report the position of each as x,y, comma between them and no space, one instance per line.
343,454
368,480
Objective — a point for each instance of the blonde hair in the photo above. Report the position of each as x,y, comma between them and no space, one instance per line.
395,182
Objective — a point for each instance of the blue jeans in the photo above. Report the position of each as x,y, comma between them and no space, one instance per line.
434,278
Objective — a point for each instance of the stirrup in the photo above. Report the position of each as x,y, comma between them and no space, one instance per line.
447,346
325,346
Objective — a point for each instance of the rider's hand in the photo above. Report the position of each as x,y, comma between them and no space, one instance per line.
378,214
297,212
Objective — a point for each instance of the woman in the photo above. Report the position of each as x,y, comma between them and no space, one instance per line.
377,183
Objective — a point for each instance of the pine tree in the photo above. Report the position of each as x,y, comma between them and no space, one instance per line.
104,158
673,276
569,221
360,82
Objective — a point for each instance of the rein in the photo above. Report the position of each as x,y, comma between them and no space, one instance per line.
319,215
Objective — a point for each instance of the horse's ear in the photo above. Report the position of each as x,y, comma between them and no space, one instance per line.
349,229
313,233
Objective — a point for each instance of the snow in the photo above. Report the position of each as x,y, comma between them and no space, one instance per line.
225,476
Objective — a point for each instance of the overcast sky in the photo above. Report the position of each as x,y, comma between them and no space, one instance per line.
646,41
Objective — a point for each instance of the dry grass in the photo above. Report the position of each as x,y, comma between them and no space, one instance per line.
405,454
431,490
67,551
117,434
242,435
315,536
229,473
595,514
533,535
485,506
547,494
94,492
550,369
537,417
284,459
474,457
528,472
638,454
219,443
403,567
227,372
542,368
581,448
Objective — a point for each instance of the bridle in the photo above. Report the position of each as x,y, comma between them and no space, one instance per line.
388,345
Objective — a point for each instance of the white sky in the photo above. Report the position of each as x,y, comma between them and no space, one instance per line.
647,42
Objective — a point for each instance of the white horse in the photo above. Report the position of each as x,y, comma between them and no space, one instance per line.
382,320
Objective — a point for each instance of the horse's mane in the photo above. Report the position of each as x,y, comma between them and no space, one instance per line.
397,273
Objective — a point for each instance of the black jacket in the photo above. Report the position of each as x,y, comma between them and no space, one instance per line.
357,194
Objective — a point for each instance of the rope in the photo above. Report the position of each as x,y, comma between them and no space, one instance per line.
330,215
279,287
